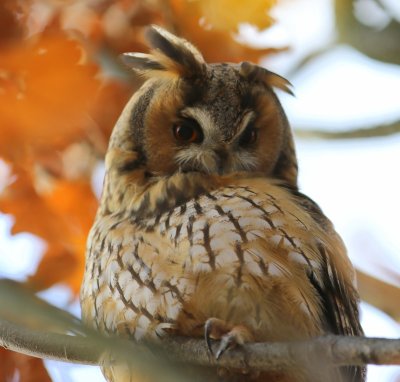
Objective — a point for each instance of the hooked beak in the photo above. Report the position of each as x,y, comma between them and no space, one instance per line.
222,156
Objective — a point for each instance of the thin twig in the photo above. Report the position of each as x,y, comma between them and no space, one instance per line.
372,132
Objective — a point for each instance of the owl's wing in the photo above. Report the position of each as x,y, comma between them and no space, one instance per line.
340,304
335,287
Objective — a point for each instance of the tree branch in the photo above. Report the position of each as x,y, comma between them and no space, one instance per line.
334,350
31,326
372,132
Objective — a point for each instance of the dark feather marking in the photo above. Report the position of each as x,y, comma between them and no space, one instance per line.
132,165
309,205
237,226
137,121
177,233
127,303
239,254
135,276
175,291
188,314
210,196
189,229
255,205
291,241
146,313
182,210
94,297
207,246
219,210
140,213
168,219
197,208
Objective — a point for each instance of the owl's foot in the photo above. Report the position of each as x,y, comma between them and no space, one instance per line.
228,334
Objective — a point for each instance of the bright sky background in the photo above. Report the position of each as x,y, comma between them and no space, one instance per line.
357,183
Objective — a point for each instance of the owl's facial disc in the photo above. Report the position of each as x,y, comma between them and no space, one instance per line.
205,147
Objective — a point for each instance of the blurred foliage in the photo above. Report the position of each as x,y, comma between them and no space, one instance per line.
370,26
62,89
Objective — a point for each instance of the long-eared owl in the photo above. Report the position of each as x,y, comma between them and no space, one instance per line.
202,230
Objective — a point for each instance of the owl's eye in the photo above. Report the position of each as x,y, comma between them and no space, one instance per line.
188,131
249,136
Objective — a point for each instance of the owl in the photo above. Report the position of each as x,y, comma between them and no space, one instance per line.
202,230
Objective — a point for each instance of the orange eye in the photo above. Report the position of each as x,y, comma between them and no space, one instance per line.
188,131
249,136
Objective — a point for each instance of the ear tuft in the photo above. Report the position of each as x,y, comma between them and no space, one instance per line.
170,55
258,74
140,61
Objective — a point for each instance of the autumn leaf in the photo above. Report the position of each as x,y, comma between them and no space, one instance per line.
113,25
11,27
211,28
29,209
226,15
61,213
115,94
46,87
20,367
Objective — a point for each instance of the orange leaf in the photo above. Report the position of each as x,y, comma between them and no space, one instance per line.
21,368
11,27
75,207
115,95
46,88
31,212
61,214
74,203
56,266
217,42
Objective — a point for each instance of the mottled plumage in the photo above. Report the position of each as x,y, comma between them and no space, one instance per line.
201,217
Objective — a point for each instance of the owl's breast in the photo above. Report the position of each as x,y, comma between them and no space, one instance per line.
241,255
236,253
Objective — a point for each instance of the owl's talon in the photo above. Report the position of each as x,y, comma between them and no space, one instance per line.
227,342
207,336
229,335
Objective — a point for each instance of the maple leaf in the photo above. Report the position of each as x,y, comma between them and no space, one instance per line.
46,87
114,94
226,15
11,29
211,27
62,215
21,367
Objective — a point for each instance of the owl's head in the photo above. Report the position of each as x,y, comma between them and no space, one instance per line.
193,116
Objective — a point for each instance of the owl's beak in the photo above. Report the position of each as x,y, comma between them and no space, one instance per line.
222,156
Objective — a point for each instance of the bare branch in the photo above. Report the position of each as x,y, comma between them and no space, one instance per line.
375,131
385,296
334,350
33,327
54,346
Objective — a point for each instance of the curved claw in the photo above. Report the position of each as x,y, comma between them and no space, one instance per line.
207,335
227,341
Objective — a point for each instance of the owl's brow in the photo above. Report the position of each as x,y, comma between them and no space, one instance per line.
247,117
200,115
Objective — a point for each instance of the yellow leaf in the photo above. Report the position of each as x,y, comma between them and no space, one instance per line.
228,14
